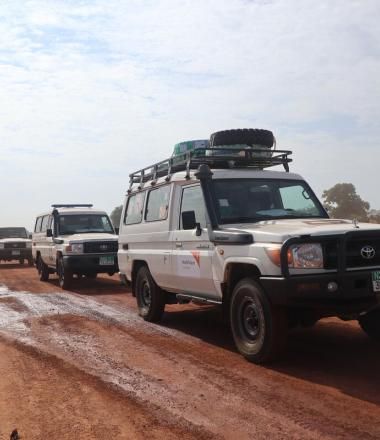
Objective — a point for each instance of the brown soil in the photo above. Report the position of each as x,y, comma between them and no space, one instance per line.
83,365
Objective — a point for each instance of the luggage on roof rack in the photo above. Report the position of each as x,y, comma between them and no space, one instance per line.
214,157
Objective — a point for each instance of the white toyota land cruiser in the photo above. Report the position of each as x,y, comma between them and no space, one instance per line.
74,240
15,244
213,225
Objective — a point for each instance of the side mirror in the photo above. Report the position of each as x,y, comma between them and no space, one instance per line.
189,222
49,233
116,231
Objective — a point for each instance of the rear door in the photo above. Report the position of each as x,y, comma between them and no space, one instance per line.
192,255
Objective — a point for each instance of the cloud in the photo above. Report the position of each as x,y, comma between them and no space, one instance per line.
106,88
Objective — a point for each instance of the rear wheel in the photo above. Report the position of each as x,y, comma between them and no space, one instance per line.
22,261
65,276
30,262
43,270
150,298
259,329
370,323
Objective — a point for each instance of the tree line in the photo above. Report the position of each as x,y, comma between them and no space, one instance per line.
340,201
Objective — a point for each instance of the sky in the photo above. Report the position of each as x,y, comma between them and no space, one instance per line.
93,90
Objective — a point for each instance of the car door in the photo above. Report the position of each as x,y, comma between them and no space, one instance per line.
193,254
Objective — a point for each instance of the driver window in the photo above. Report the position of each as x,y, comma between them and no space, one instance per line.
192,200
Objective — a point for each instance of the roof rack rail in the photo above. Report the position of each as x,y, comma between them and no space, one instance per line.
215,157
72,205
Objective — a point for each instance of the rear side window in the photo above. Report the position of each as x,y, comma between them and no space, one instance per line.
158,204
37,228
134,211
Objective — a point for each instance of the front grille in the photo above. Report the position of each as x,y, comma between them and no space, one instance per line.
100,247
354,250
330,251
16,245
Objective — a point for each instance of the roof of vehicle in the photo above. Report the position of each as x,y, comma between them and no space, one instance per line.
70,210
234,173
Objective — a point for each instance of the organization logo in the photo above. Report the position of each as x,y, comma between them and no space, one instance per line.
368,252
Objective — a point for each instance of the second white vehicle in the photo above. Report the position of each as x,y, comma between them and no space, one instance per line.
74,240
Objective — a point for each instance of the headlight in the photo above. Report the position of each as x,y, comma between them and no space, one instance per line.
75,248
306,256
1,245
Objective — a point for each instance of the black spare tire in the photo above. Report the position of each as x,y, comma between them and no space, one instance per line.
248,136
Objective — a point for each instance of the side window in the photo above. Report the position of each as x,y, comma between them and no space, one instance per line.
44,224
296,198
134,211
37,228
158,204
192,200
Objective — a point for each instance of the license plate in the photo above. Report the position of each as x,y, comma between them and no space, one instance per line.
376,281
106,260
15,252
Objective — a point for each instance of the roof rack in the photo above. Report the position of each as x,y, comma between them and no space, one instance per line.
215,157
73,205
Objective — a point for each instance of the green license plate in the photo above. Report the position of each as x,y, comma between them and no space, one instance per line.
376,281
106,260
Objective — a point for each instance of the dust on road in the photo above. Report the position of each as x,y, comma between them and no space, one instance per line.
82,364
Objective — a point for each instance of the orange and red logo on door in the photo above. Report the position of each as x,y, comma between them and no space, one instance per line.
197,257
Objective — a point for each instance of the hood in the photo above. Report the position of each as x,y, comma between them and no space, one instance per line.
90,237
277,231
15,240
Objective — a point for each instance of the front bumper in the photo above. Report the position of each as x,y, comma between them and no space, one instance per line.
90,263
355,292
16,254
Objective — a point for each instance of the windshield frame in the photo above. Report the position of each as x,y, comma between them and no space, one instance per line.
322,212
16,228
89,231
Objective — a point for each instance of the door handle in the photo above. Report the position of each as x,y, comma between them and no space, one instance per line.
178,244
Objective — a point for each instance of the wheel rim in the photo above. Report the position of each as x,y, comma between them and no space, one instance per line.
146,294
250,319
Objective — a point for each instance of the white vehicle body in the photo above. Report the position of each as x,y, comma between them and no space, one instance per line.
15,244
217,233
82,251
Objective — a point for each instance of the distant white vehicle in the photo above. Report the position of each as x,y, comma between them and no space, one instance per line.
74,240
215,226
15,245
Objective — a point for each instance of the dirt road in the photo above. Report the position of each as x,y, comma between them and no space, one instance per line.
83,365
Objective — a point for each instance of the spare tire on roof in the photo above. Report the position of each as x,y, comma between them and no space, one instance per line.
248,136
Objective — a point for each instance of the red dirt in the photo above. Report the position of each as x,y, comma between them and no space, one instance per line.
82,364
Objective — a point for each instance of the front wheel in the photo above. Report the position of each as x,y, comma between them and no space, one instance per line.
259,329
370,323
65,276
43,270
150,298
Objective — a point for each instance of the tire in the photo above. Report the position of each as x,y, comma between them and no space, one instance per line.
43,270
91,275
259,330
21,261
370,323
65,276
30,262
248,136
150,298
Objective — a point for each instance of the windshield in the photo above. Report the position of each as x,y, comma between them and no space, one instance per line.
252,200
13,233
84,223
